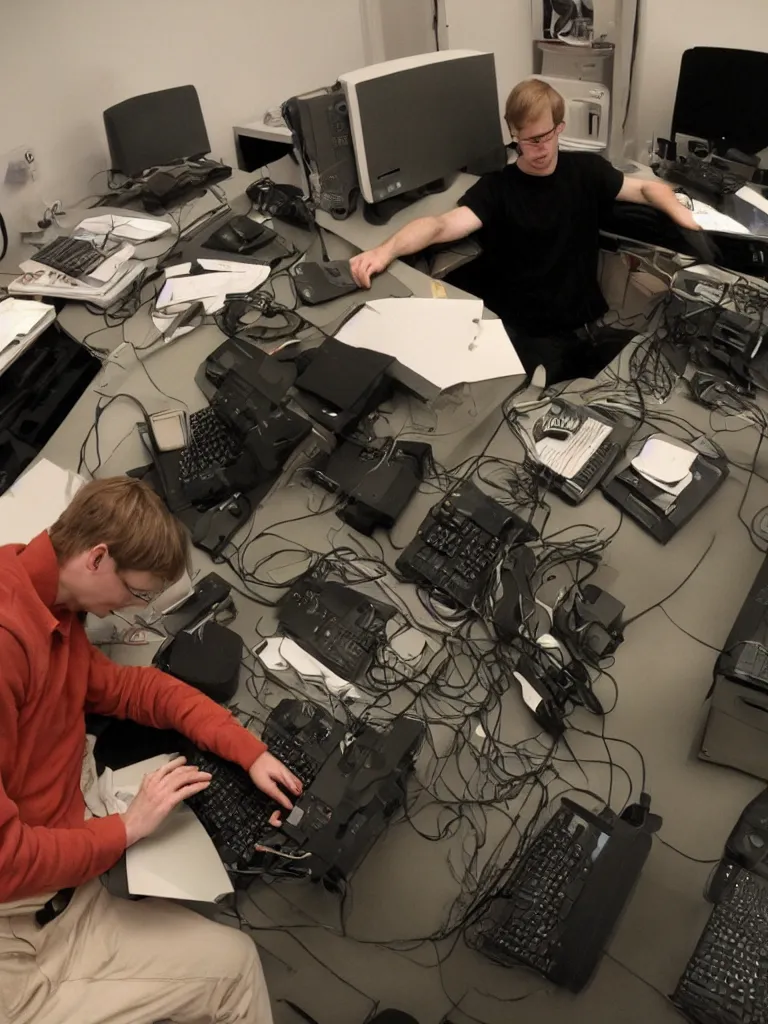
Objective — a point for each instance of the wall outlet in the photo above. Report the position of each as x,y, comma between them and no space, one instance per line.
21,166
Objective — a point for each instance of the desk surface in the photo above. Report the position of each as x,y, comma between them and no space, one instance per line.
406,886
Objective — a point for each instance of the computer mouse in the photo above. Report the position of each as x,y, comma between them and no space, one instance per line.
560,422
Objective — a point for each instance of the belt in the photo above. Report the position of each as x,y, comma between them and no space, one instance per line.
56,905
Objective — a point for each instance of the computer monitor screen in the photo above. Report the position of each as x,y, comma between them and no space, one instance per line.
420,119
154,129
722,96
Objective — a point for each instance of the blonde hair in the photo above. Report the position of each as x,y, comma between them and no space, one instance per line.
131,519
529,100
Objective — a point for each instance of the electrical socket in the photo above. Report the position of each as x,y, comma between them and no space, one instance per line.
21,166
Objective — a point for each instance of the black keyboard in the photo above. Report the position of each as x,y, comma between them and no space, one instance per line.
456,554
526,918
233,812
726,980
71,256
212,444
703,177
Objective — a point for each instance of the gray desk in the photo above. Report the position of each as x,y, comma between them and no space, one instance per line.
405,887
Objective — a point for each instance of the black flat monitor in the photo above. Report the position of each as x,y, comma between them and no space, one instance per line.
155,129
722,96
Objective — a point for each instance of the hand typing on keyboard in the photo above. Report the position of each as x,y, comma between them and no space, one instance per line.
273,778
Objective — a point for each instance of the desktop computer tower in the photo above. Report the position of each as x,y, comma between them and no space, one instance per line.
319,123
736,730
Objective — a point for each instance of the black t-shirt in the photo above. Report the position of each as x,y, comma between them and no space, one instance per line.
540,238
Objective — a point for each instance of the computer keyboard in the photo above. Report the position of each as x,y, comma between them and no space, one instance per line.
71,256
703,177
233,812
726,979
212,444
525,920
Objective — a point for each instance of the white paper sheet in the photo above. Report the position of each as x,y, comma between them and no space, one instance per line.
281,653
35,501
133,229
178,861
211,288
444,341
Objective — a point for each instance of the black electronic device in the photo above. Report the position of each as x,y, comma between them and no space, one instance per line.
560,902
354,781
726,979
170,187
213,529
212,445
377,480
207,657
514,605
339,626
746,848
319,123
286,202
711,80
232,810
745,652
700,176
541,692
736,729
240,234
462,543
353,797
322,282
340,384
579,433
657,511
37,392
589,622
210,594
266,374
155,128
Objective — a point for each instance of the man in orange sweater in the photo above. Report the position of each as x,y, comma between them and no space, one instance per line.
60,931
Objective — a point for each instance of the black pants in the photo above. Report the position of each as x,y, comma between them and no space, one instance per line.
582,353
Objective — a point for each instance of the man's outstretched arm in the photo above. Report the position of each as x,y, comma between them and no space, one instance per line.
660,195
414,237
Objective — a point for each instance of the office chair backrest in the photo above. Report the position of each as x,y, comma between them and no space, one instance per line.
155,128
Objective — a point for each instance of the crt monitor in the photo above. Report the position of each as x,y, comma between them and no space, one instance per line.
419,119
154,129
722,96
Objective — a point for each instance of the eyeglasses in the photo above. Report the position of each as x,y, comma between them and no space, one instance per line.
145,596
536,140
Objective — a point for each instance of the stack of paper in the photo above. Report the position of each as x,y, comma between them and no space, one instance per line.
665,464
51,282
222,278
21,321
437,343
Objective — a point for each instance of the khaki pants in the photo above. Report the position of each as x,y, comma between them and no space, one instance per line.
111,961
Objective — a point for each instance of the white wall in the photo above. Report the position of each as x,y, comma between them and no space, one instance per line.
667,28
503,27
63,61
407,27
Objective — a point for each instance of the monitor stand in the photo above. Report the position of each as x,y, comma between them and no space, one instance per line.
384,211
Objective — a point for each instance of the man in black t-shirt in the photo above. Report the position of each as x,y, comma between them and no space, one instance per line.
538,222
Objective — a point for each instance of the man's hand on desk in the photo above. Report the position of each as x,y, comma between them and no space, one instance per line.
159,793
366,264
274,779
